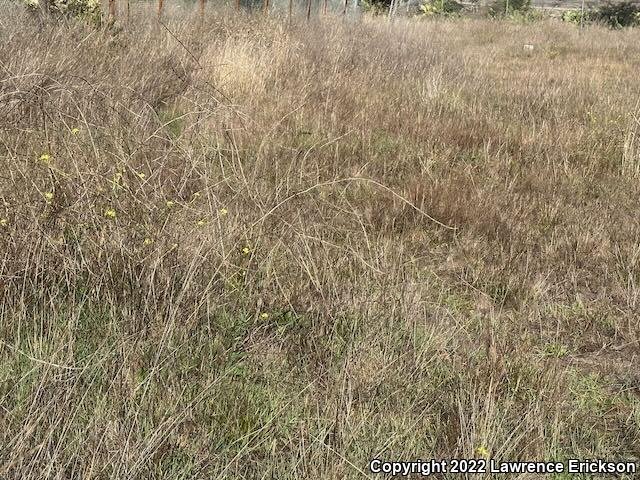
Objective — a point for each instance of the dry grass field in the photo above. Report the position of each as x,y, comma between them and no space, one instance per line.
239,249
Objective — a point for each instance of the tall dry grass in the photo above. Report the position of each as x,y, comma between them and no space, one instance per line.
248,250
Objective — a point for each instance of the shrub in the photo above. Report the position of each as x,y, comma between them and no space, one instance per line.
375,7
618,15
577,16
441,7
526,16
87,10
509,7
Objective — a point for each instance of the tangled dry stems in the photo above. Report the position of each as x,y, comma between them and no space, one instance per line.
283,251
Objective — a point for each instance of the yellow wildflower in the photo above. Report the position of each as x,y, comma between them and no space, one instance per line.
482,451
200,223
170,203
3,222
45,158
48,196
110,213
75,131
264,315
223,212
141,175
246,251
147,241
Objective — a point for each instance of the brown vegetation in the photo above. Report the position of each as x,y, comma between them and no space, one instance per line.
259,251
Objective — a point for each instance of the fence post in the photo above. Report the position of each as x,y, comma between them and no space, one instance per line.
266,7
160,8
202,8
308,10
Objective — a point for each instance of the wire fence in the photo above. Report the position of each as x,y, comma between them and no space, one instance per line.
305,8
315,8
